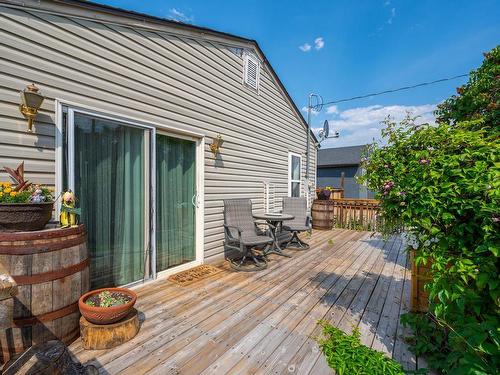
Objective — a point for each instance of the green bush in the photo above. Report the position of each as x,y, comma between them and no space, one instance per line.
347,356
442,183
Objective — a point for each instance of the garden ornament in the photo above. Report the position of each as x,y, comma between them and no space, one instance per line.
68,210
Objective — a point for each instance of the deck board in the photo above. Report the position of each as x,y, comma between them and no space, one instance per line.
266,322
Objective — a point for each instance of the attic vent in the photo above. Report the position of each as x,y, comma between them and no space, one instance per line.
251,71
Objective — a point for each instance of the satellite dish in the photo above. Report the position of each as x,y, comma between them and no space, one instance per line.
326,129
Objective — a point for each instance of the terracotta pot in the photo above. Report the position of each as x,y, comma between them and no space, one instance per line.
106,315
25,216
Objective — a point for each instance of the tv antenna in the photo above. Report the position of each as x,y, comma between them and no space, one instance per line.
325,132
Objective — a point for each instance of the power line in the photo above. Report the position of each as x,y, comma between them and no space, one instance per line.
394,90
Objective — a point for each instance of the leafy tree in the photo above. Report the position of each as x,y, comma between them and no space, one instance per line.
477,99
442,184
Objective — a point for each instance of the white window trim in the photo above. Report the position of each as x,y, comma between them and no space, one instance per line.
246,57
290,154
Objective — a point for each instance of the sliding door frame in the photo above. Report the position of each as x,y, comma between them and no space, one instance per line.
200,203
62,106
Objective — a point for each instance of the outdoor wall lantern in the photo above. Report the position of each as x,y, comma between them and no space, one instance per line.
216,144
31,101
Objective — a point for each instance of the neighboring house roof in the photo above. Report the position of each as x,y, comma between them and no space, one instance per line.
148,21
341,156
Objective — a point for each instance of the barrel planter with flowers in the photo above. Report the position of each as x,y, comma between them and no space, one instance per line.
49,266
322,209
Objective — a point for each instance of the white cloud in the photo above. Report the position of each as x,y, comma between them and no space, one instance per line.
319,43
361,125
306,47
332,109
177,15
392,16
313,112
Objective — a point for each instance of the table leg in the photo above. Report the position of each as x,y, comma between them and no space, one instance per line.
276,249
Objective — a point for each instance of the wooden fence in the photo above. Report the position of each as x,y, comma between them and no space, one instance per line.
359,214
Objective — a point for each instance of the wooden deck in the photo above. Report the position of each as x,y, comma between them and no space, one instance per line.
265,322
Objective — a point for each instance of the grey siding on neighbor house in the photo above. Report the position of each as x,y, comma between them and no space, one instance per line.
331,176
172,77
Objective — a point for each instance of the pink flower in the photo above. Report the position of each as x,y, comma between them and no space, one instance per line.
388,186
424,161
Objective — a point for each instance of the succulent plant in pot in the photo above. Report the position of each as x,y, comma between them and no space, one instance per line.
24,206
107,305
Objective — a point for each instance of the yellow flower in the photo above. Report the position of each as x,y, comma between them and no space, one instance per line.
7,190
1,194
13,193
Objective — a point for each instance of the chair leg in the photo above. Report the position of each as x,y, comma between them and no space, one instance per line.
296,243
249,262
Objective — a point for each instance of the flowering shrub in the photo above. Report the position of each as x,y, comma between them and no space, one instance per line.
442,184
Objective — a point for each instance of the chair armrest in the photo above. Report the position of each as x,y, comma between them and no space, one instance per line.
228,232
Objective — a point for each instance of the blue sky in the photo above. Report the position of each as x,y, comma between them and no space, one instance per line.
352,48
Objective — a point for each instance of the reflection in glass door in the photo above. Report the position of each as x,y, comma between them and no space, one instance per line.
175,201
109,181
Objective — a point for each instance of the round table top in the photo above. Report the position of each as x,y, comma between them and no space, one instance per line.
274,217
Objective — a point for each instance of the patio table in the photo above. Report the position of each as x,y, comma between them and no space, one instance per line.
275,220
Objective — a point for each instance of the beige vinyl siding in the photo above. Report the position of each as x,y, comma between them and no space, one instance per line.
155,76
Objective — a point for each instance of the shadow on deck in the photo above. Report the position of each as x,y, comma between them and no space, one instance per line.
266,322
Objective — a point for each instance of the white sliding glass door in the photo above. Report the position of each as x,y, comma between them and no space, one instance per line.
138,193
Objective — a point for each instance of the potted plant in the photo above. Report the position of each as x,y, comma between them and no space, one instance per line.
323,194
106,305
24,206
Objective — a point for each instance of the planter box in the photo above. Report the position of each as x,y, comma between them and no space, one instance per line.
419,276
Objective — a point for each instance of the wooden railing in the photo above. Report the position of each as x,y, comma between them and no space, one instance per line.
359,214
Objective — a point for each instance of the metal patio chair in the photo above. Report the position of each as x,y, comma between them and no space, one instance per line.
297,207
243,235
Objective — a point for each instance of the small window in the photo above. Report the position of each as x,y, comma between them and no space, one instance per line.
294,175
251,71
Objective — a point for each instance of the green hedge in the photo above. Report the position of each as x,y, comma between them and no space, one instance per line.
442,183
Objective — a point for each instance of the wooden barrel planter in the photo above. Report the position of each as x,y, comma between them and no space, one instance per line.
322,214
420,275
51,270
